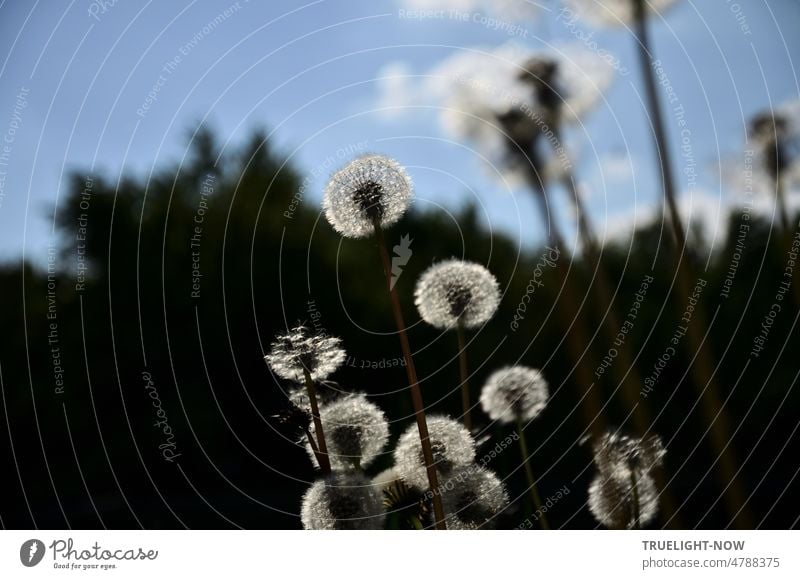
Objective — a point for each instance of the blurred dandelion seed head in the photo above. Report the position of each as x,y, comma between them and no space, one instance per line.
455,291
612,501
618,454
614,12
356,431
472,496
514,393
452,446
343,501
369,189
301,349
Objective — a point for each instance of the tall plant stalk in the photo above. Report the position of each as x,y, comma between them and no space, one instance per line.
413,382
463,372
532,488
321,450
703,370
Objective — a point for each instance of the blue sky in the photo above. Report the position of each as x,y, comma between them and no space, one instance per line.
312,72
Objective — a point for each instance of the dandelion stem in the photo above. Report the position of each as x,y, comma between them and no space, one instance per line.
416,394
526,460
322,448
463,374
637,523
703,368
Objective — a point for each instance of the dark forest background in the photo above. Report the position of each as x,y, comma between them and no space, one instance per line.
89,456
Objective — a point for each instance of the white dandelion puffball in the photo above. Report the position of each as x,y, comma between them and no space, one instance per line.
343,501
368,189
472,496
613,502
616,455
610,12
299,349
452,447
514,393
455,291
356,431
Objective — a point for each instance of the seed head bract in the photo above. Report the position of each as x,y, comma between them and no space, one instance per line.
454,291
514,393
452,447
356,432
343,501
369,188
301,348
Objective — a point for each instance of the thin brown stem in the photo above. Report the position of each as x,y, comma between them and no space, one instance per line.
635,507
313,445
416,394
463,375
526,461
322,448
703,369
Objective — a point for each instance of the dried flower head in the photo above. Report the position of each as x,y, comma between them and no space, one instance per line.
369,189
455,291
293,421
776,136
514,393
452,446
618,454
472,497
612,12
356,431
343,501
299,349
617,504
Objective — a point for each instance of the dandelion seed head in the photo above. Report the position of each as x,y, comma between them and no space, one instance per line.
612,501
343,501
356,431
454,291
613,12
452,447
301,348
472,496
514,393
616,455
369,188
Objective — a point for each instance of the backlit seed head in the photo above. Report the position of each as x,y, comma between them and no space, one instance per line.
514,393
343,501
356,431
301,348
614,504
618,454
454,291
472,497
612,12
370,188
452,446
